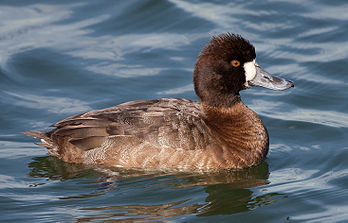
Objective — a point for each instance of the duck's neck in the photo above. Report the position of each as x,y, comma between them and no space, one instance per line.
219,100
240,130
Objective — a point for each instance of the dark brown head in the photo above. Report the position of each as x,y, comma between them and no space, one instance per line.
227,65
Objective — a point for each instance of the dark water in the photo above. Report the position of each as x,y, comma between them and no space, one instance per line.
59,59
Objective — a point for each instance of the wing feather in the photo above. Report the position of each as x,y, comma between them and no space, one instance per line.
163,122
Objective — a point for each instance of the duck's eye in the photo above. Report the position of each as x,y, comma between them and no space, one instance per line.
235,63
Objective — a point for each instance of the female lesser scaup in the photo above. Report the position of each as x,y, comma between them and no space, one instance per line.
174,133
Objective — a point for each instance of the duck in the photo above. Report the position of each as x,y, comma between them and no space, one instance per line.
218,132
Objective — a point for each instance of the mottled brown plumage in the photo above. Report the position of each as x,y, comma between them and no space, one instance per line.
172,133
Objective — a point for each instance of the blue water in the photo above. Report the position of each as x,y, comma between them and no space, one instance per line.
59,59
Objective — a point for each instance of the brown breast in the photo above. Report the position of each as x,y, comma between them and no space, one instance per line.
244,138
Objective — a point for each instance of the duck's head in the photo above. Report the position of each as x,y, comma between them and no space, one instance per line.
228,65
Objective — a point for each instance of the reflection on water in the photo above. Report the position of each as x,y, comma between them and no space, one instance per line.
224,192
164,212
53,168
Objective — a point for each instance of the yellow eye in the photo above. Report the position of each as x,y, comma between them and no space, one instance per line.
235,63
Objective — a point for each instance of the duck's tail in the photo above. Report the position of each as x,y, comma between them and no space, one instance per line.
45,141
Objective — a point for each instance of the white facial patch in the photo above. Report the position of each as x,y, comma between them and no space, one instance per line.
250,70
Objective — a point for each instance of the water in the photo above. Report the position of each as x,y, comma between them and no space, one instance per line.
59,59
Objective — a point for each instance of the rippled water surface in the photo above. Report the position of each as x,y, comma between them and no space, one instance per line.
59,59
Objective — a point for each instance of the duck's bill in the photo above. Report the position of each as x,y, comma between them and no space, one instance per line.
264,79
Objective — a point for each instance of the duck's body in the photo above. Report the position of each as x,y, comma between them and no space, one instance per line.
167,134
218,133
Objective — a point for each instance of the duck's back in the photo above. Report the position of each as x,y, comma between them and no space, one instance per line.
164,133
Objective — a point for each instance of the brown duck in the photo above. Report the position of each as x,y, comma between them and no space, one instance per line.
218,133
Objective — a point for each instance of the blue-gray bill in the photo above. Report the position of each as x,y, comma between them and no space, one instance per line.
264,79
